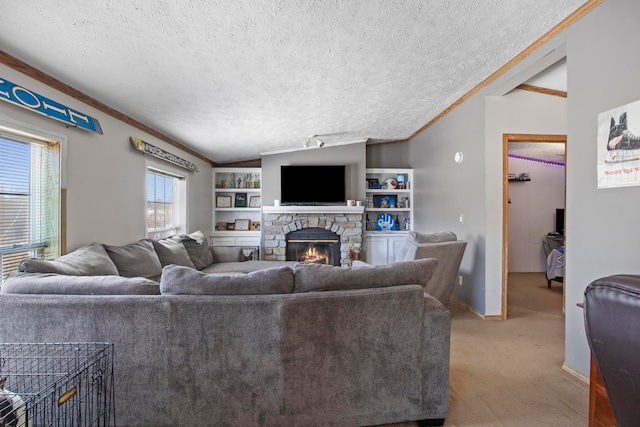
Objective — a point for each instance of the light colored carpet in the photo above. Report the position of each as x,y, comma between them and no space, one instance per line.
509,373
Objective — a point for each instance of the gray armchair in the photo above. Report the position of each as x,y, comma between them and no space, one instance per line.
446,249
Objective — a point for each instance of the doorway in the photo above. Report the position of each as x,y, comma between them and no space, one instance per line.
507,141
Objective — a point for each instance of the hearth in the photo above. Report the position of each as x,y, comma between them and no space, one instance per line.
313,245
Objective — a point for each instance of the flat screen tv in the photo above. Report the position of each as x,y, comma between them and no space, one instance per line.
560,221
312,184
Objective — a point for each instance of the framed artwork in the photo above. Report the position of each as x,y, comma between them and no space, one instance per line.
372,183
221,226
255,225
241,200
231,226
385,201
242,224
223,201
255,202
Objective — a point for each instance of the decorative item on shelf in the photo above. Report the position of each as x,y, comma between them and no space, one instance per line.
255,202
221,226
242,224
391,183
231,226
239,183
233,180
241,200
255,226
369,201
223,184
386,222
256,181
247,181
373,184
385,201
406,223
406,202
223,201
401,179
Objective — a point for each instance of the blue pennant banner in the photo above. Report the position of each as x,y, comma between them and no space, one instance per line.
152,150
25,98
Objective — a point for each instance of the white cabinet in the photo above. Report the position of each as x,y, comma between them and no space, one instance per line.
381,249
388,212
237,206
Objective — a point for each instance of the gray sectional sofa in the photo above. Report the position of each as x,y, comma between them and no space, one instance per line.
252,343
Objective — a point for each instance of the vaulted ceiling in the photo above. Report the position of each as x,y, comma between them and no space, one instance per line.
232,79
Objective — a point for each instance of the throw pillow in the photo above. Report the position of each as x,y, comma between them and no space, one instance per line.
172,251
414,238
137,259
198,249
48,283
178,280
89,260
320,277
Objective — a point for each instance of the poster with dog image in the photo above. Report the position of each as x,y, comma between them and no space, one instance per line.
619,146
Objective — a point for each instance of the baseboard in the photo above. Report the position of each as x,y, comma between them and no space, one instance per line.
472,310
575,373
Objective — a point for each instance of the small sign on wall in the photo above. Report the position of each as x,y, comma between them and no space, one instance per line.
152,150
17,95
619,146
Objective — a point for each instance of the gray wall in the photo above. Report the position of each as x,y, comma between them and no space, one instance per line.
352,155
602,225
106,175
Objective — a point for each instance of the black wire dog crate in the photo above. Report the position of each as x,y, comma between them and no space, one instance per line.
57,384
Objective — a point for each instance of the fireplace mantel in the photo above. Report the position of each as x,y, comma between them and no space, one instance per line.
314,209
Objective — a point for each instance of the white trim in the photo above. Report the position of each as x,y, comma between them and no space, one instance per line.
314,209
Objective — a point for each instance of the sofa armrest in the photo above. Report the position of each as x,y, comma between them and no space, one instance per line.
436,356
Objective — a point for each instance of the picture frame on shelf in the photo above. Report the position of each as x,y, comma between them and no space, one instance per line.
221,226
401,180
255,226
242,224
223,201
373,184
231,226
386,201
255,202
241,200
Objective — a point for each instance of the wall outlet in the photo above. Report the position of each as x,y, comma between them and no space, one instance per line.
460,280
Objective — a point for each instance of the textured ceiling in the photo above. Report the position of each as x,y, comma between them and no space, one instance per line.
231,79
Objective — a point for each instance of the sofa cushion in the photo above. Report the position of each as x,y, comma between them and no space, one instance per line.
197,248
49,283
320,277
177,280
172,251
89,260
137,259
414,238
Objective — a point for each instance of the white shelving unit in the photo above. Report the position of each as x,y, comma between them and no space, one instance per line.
381,244
247,187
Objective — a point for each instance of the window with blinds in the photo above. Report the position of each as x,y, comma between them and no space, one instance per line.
29,201
165,204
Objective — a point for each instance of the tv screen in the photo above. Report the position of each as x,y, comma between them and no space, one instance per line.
560,221
312,184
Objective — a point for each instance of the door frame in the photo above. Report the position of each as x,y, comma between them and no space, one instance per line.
506,139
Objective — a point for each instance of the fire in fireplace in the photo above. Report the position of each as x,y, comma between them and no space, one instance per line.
314,245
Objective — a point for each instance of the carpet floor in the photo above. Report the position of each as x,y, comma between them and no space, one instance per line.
509,373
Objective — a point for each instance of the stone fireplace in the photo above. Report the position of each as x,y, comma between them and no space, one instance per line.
335,231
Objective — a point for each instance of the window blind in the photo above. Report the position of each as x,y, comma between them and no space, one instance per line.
162,203
29,201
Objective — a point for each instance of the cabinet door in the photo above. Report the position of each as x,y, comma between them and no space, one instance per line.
377,250
248,241
394,245
223,241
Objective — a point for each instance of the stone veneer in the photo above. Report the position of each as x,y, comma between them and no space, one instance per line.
277,225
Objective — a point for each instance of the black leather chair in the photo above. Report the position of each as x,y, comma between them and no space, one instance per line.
612,323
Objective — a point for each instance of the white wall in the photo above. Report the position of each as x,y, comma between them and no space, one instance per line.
106,175
532,213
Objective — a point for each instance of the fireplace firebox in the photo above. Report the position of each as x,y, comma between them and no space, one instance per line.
314,245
